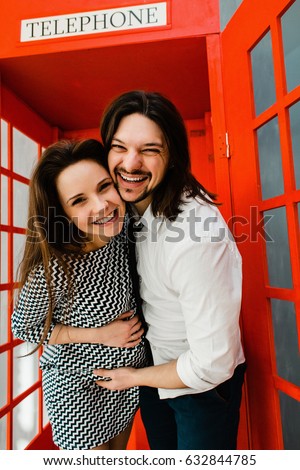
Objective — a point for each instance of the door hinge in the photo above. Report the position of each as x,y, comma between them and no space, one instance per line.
224,145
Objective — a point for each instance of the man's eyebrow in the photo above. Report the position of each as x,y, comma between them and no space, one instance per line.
150,144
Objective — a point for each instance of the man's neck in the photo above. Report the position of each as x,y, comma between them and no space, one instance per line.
142,206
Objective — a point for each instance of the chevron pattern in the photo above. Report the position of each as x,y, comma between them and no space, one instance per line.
82,414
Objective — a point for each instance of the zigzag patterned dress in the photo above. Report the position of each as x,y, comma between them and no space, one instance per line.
82,414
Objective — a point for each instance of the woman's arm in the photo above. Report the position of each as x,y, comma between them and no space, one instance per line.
30,312
124,332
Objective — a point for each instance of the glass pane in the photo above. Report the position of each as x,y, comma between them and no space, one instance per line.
19,243
25,368
263,74
3,424
20,197
227,10
278,251
270,159
3,317
291,44
45,414
295,134
3,388
290,417
4,200
4,257
4,147
25,421
286,340
25,152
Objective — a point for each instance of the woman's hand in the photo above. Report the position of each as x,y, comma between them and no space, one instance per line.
124,332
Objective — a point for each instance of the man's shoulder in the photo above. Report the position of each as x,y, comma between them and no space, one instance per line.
197,207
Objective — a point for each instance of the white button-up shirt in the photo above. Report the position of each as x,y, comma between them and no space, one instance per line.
191,281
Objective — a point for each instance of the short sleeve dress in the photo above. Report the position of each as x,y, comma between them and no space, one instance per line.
82,414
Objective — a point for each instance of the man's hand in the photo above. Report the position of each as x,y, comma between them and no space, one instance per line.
116,379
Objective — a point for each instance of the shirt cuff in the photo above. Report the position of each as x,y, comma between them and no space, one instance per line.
188,376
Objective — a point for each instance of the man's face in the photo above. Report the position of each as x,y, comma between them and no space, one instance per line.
138,159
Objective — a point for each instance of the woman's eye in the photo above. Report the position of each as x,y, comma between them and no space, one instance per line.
77,201
105,186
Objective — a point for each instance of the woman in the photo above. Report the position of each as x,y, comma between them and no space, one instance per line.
76,292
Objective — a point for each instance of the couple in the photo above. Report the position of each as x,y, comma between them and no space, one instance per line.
79,298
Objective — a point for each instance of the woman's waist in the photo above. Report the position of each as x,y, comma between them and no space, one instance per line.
82,357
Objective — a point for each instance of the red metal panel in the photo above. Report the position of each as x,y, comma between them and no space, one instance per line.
185,19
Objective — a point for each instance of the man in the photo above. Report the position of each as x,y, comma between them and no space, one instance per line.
190,271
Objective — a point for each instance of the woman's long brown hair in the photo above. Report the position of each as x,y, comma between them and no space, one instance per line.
50,234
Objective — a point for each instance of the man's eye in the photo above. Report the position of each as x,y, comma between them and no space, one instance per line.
153,151
117,148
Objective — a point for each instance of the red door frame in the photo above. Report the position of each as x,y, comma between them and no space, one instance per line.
263,383
18,116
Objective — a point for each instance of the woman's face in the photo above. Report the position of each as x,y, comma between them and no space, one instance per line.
90,200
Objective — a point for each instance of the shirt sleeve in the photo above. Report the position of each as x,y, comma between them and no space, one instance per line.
207,276
29,315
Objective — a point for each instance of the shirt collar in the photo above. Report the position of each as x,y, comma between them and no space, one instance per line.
148,220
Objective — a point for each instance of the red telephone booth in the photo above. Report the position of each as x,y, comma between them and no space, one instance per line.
233,73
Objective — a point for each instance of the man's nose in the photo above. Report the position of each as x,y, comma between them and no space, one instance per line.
132,161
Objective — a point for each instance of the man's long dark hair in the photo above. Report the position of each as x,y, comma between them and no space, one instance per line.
178,180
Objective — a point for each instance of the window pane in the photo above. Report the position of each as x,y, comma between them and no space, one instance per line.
291,44
295,135
45,414
227,10
25,368
3,388
4,200
3,425
4,147
270,159
290,417
20,197
3,317
286,340
25,421
4,257
25,153
19,243
278,251
263,74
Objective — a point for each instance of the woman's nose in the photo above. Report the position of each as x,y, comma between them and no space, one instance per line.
100,205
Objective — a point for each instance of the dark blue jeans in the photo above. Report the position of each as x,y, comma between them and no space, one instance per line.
202,421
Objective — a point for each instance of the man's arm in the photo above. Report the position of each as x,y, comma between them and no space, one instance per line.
162,376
